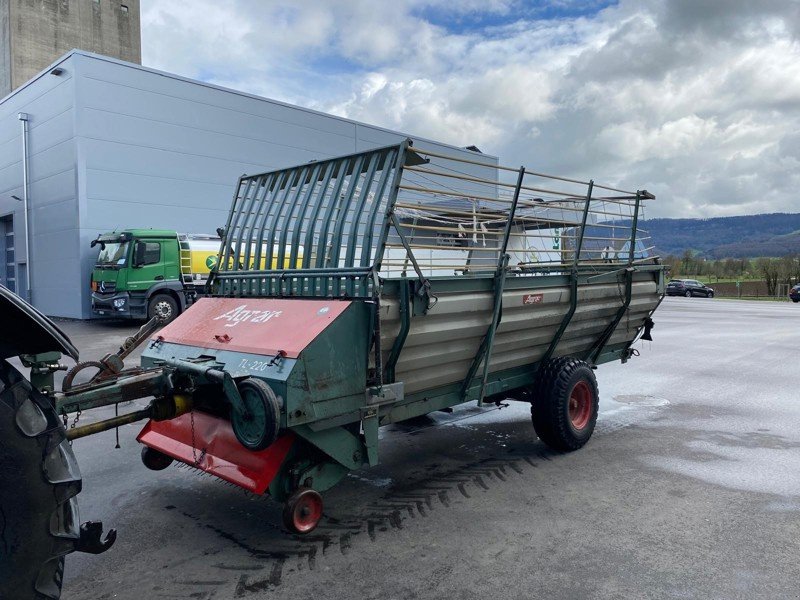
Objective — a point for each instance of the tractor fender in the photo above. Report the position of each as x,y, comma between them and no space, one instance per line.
27,331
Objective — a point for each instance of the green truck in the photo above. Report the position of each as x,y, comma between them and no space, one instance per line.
143,273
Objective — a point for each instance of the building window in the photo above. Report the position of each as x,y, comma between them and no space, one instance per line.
123,9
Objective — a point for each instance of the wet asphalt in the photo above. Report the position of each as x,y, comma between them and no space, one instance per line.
689,488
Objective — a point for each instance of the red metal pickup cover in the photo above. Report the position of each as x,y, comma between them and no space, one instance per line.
263,326
212,447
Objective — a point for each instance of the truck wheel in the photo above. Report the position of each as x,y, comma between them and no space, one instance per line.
260,427
565,403
39,479
162,306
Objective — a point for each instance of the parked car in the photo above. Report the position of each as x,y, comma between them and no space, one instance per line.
688,288
794,293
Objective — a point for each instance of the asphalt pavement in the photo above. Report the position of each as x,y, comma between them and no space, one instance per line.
689,488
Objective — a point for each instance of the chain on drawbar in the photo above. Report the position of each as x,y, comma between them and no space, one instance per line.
197,459
194,447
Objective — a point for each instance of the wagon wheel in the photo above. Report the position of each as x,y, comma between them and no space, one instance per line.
302,511
565,403
258,428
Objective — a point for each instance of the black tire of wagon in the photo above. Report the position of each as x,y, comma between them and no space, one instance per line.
551,395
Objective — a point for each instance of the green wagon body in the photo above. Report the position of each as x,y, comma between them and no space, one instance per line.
432,306
441,344
351,293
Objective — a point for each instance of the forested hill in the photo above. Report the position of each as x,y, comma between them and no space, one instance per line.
749,236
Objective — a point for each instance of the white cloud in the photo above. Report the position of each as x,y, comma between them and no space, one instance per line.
696,100
631,140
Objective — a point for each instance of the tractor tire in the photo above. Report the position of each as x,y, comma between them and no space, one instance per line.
564,403
39,479
163,306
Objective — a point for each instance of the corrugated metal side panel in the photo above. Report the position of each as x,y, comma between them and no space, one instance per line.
441,345
161,151
53,212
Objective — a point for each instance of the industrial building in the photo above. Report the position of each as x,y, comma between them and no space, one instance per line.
106,144
34,34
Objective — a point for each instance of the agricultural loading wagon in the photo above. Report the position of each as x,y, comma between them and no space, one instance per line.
415,281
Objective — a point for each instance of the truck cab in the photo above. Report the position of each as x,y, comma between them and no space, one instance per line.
139,274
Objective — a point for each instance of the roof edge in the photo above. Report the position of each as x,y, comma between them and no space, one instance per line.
46,71
84,53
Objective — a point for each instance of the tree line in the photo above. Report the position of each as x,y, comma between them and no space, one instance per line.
773,271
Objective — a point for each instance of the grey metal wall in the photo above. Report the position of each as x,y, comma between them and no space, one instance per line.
115,145
161,151
57,279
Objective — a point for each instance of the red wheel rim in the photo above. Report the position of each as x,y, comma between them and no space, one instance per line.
307,512
580,405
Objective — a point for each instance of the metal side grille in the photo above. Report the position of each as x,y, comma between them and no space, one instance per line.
314,230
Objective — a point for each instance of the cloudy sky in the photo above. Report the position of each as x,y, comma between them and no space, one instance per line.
695,100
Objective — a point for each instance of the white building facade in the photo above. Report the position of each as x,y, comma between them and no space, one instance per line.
109,145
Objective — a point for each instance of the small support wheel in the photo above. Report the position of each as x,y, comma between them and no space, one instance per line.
565,403
302,511
155,460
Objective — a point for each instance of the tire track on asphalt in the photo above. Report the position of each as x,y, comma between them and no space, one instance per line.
396,510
